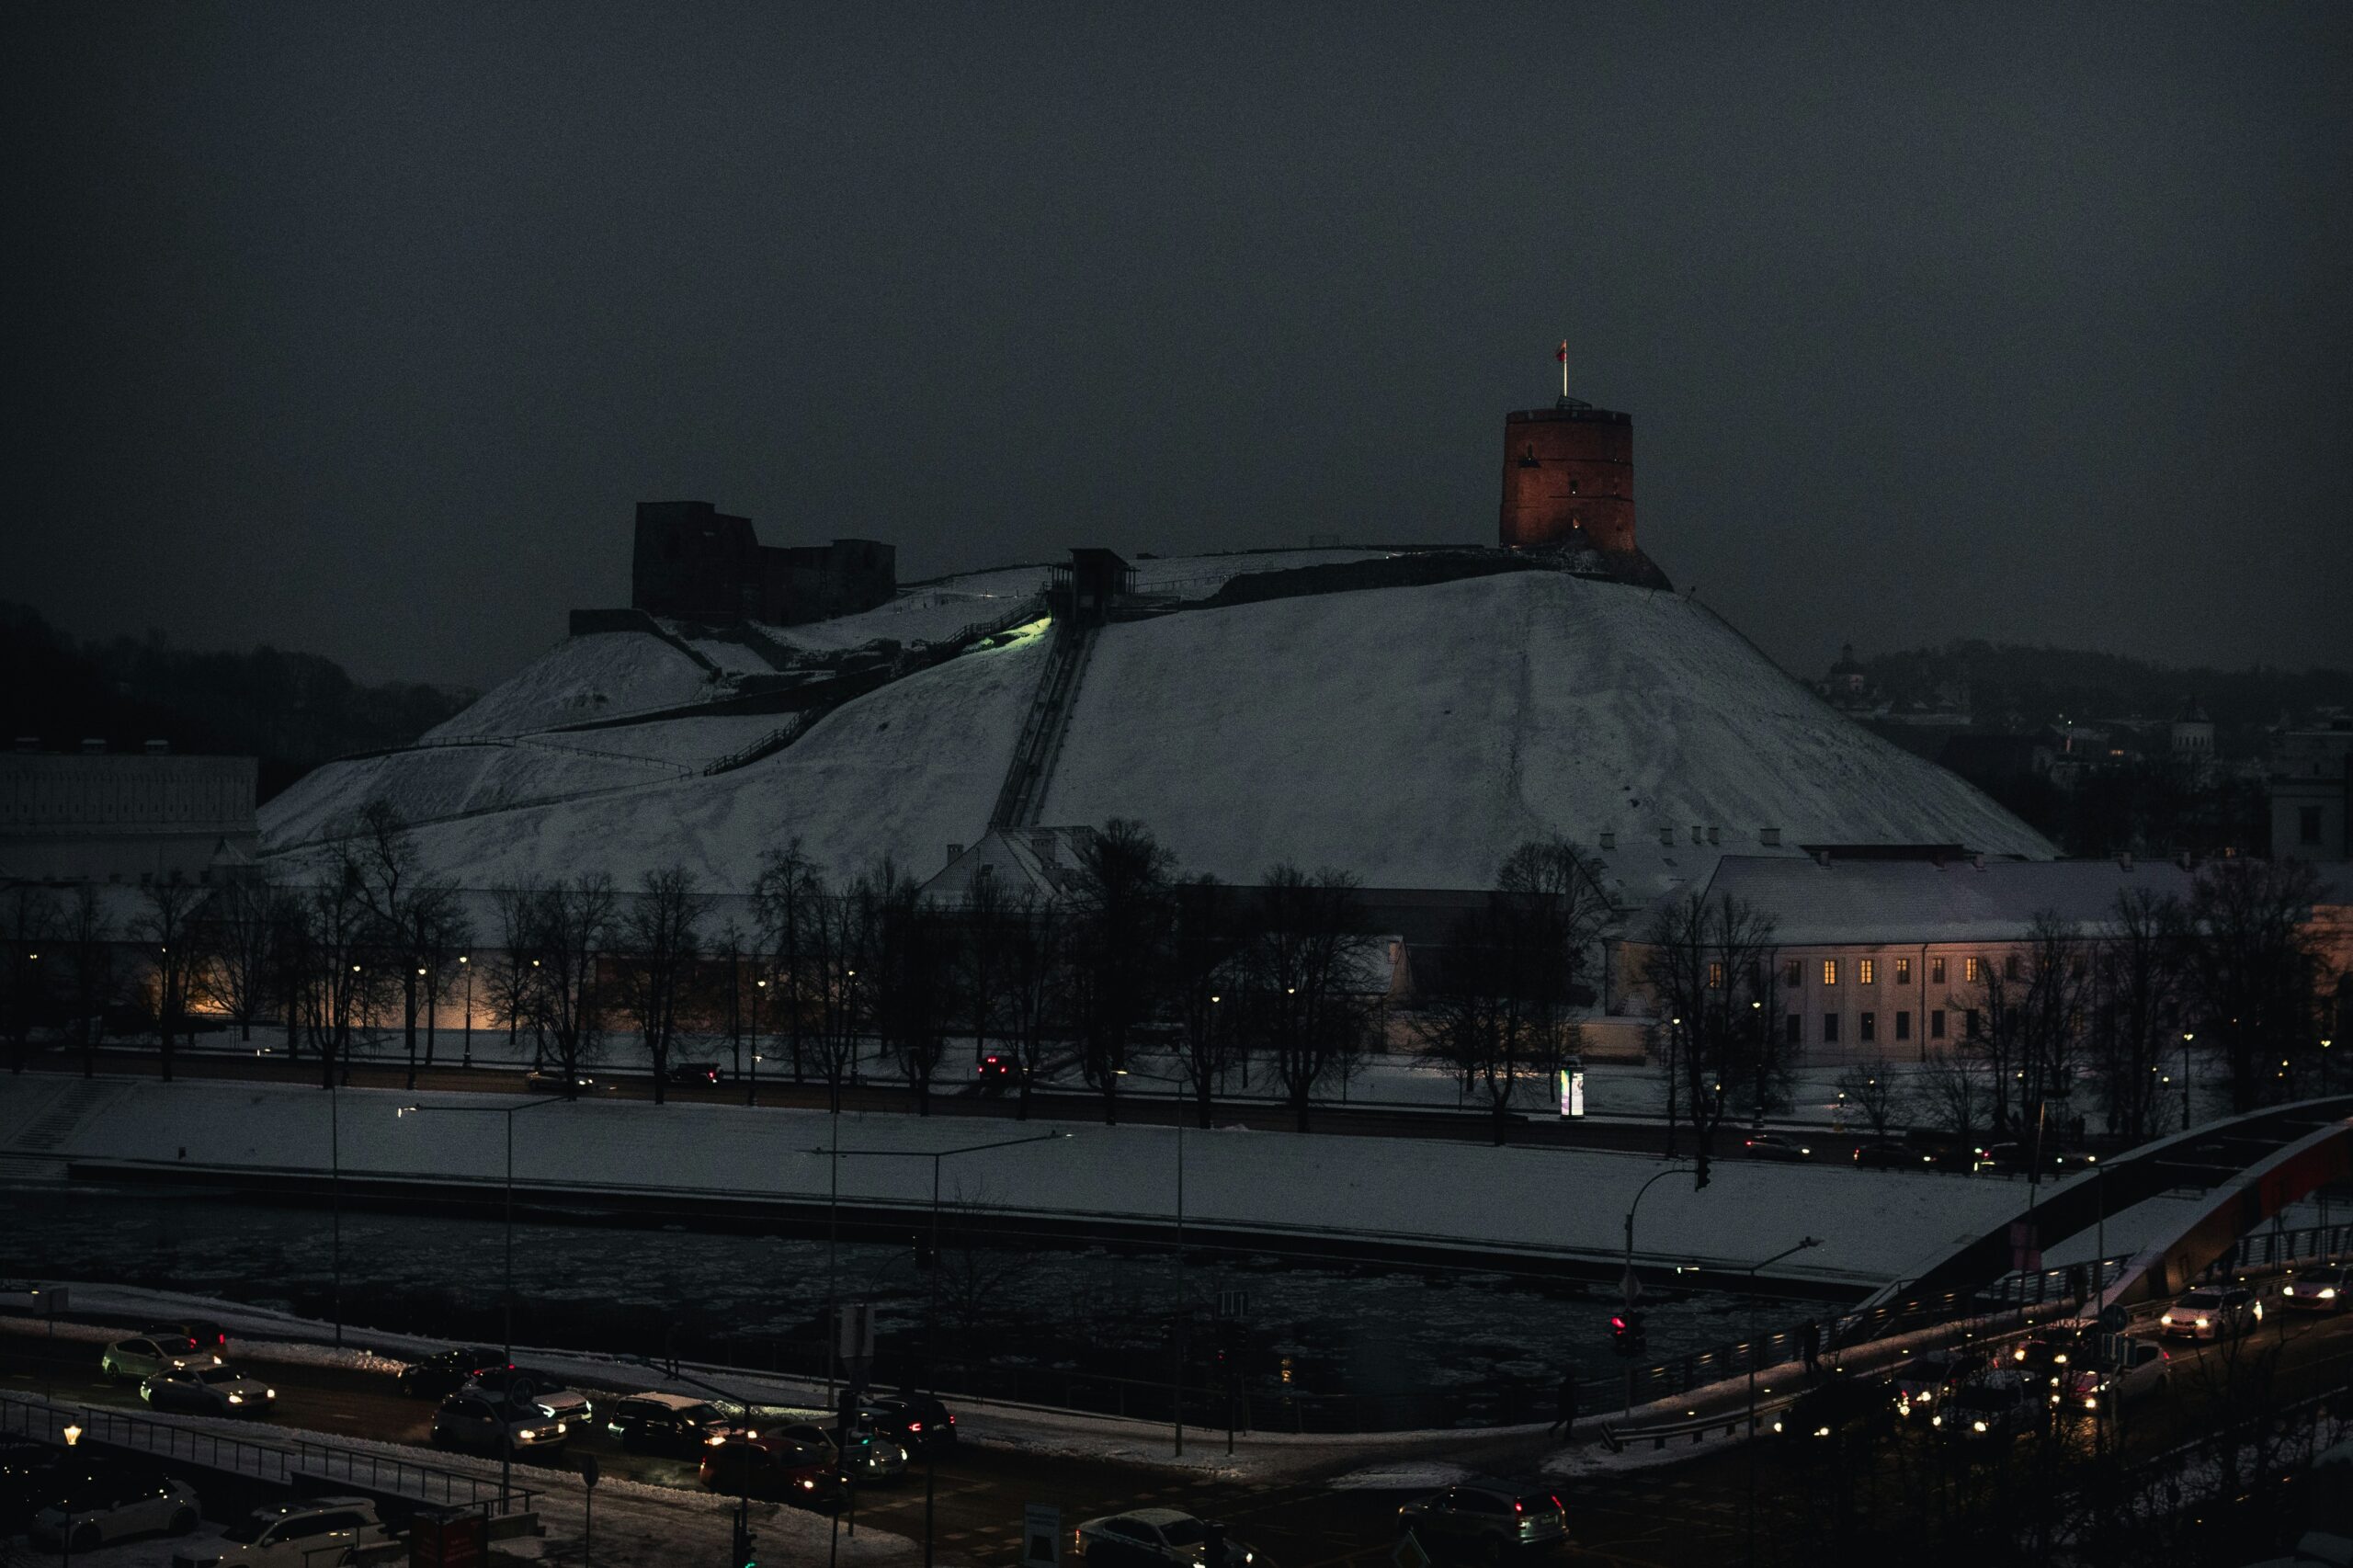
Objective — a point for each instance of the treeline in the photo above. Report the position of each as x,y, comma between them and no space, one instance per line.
291,710
2225,992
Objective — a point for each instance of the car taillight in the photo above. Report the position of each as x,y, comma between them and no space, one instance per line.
914,1426
1517,1506
1556,1503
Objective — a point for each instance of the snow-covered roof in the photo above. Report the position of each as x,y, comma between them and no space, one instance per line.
1923,901
1040,860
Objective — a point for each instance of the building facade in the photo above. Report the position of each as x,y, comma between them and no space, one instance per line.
694,562
139,817
1568,478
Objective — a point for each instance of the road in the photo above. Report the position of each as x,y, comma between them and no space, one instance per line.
1691,1512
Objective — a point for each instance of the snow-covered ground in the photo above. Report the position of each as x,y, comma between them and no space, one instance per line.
1875,1225
1412,735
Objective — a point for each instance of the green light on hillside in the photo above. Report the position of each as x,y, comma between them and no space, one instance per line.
1015,637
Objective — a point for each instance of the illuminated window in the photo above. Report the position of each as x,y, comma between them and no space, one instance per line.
1935,971
1904,972
1715,977
1969,971
1830,972
1863,973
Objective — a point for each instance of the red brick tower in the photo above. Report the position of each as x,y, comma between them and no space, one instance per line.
1568,477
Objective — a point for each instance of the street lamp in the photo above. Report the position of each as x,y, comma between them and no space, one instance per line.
1751,1271
752,1092
2185,1038
505,1425
466,964
931,1304
1628,1282
1176,1377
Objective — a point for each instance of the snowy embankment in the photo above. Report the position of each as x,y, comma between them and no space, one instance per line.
1556,1203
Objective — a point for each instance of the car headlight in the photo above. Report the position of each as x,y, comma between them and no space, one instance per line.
1977,1426
2328,1292
2287,1289
2060,1359
1936,1420
1777,1425
2166,1320
715,1442
237,1399
2201,1323
1822,1431
2091,1401
807,1484
216,1360
269,1394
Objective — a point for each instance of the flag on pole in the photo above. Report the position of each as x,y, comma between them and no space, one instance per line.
1564,355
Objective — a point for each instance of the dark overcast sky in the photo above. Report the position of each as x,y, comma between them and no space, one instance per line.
358,328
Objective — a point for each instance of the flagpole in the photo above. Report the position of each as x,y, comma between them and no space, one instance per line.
1564,357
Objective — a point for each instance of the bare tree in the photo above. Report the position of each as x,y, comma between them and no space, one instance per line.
1036,954
1471,1019
982,960
1876,1092
574,926
417,919
2140,973
1958,1092
914,965
1552,912
331,947
165,928
788,898
31,914
658,940
1120,917
513,980
1203,984
838,942
2253,970
238,939
87,933
1714,967
1308,961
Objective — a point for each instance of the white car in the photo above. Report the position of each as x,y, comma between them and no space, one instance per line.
2139,1368
1149,1538
208,1391
316,1532
2213,1311
110,1505
147,1355
482,1424
2325,1290
534,1391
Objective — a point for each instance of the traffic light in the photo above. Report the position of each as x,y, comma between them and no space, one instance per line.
1626,1336
746,1538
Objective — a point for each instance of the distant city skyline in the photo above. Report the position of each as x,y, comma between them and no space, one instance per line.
361,330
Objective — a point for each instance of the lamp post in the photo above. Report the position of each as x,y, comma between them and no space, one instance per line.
1628,1282
752,1093
466,963
334,1204
931,1302
1751,1271
507,1310
1177,1283
2185,1038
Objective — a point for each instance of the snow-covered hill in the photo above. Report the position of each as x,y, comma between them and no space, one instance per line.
1412,735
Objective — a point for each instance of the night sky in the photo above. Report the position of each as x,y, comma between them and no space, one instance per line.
358,328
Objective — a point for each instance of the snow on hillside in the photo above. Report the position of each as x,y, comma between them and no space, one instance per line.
908,769
430,782
1414,735
580,679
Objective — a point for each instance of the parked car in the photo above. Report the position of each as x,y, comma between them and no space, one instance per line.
997,1070
2138,1368
1150,1538
550,1080
534,1391
2000,1159
1989,1410
2319,1289
695,1075
105,1504
1778,1146
917,1422
666,1423
770,1464
1484,1520
1842,1405
315,1532
437,1376
1923,1383
2213,1312
485,1424
143,1355
208,1391
1887,1155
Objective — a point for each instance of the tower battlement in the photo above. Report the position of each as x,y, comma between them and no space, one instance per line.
1568,477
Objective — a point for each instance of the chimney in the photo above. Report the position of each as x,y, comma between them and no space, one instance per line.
1667,838
1822,859
1610,841
1711,837
1769,837
954,850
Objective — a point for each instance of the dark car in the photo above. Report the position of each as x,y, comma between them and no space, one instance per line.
2042,1358
772,1466
1840,1407
918,1422
665,1424
448,1372
1782,1146
530,1388
1151,1538
695,1075
1485,1520
997,1073
204,1331
1990,1411
1923,1383
1887,1155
